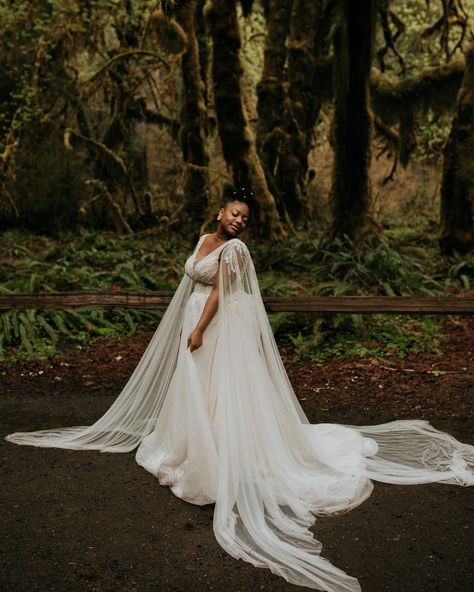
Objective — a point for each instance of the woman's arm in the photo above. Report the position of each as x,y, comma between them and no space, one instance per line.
210,309
233,262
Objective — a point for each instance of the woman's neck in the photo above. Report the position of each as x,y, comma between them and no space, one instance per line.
220,236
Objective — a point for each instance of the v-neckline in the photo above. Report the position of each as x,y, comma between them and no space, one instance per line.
198,260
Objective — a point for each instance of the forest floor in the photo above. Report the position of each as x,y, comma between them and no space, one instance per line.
86,521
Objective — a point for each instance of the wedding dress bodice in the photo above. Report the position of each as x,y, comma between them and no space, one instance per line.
203,270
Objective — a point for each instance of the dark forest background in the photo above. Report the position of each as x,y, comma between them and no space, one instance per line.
122,124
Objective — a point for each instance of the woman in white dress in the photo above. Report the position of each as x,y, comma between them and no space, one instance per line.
214,416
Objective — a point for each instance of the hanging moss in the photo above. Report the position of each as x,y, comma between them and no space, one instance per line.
399,102
432,88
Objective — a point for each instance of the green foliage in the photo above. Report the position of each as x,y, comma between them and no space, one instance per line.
71,90
418,46
36,334
86,261
404,262
432,133
378,336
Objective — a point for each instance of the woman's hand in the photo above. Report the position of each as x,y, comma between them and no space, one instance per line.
195,340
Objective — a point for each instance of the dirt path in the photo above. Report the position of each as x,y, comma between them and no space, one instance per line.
86,521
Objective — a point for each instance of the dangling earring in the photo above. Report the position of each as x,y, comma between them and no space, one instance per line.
219,217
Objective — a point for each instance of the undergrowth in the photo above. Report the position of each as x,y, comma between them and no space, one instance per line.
379,336
400,263
87,261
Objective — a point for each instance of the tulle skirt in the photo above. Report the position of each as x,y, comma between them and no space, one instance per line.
336,462
181,451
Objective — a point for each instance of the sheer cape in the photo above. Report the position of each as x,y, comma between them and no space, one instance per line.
275,470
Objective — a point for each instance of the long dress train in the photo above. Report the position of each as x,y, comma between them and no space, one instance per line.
223,425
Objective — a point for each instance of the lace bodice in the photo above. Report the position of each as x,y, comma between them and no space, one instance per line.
203,269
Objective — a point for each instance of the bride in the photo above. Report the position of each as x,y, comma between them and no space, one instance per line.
215,418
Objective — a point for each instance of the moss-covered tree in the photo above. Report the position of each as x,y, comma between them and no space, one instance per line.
352,125
290,95
71,106
307,45
193,130
457,189
271,89
237,139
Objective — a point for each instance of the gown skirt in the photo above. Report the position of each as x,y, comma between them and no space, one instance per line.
181,451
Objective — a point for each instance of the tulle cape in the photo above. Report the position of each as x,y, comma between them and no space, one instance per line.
275,470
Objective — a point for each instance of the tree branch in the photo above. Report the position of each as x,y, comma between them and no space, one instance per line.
123,55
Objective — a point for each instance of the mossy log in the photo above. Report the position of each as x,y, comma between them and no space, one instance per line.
457,188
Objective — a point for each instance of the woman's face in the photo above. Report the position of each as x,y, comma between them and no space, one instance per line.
234,218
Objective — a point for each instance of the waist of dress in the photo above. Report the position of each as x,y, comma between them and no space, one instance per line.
200,288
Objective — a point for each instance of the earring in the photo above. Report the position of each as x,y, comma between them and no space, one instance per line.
219,217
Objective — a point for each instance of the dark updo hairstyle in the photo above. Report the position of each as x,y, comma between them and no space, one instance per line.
242,194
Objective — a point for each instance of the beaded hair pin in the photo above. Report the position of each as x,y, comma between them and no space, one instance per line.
243,194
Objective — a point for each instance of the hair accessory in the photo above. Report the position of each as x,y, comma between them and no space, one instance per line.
243,194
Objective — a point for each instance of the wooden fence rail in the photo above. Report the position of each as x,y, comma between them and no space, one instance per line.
160,300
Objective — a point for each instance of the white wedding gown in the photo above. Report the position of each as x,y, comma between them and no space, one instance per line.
223,425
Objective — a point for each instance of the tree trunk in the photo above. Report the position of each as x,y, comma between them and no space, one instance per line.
238,143
271,88
193,133
457,188
353,46
202,40
306,44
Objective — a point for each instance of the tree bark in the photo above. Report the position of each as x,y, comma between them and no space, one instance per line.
238,142
271,88
353,47
457,188
307,43
290,96
193,132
